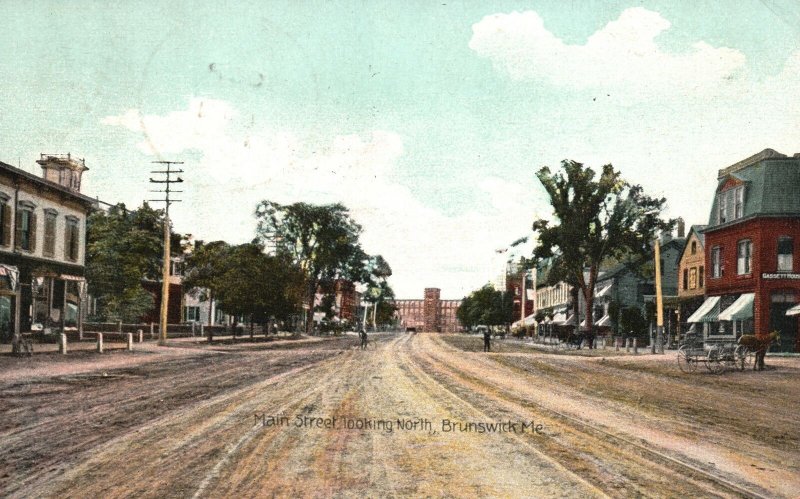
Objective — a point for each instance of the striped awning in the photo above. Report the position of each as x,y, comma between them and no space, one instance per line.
527,321
604,291
604,321
739,310
707,312
794,310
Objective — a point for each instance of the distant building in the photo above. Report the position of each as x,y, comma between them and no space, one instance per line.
42,245
430,314
752,268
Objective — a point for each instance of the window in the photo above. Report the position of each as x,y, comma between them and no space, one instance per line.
71,239
693,278
738,210
730,204
694,247
716,261
785,254
744,258
5,221
49,248
685,279
26,228
701,275
192,314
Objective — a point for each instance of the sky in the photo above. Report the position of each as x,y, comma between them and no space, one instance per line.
427,119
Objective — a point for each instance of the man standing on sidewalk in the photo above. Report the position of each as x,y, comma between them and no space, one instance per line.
487,340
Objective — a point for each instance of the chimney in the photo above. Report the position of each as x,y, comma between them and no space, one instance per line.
63,169
681,227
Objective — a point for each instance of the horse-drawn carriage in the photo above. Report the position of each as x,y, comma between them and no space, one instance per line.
717,356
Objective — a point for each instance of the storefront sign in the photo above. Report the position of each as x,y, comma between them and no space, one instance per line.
781,275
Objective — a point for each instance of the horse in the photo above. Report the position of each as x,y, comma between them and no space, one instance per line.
759,346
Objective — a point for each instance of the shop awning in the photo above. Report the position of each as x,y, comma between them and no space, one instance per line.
559,319
604,291
527,321
604,321
794,310
570,321
741,309
707,312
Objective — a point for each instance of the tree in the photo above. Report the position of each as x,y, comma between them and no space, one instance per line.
385,313
122,248
322,240
250,282
203,271
595,218
378,290
486,306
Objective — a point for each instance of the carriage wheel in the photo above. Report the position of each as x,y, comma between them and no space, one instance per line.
714,361
744,357
685,361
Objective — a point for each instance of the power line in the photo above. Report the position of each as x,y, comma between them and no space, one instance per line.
167,181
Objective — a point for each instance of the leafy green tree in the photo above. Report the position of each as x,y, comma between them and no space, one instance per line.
252,283
378,290
595,218
322,240
203,271
385,314
486,306
122,248
632,322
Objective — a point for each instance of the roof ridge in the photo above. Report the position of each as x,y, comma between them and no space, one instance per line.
755,158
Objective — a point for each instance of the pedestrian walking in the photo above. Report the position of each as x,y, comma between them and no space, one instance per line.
487,341
363,335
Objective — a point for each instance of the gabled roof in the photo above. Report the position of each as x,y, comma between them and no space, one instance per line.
698,231
606,274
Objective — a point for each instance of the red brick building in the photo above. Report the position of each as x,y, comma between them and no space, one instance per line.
431,314
752,263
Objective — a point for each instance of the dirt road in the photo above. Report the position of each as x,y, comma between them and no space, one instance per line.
414,415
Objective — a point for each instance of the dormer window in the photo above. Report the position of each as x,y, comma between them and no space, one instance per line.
730,204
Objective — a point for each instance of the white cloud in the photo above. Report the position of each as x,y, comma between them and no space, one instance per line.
238,169
622,55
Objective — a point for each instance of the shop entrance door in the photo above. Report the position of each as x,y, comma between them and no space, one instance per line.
6,318
778,321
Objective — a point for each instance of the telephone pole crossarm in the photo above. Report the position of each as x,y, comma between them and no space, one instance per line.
167,181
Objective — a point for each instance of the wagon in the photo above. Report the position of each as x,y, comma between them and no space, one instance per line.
716,356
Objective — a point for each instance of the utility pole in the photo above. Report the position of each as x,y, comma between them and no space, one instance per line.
167,181
659,347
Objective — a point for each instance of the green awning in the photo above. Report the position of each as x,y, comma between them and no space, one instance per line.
741,309
707,312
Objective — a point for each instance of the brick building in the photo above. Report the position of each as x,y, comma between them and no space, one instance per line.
752,269
430,314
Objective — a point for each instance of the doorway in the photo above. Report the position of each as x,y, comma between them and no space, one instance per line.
782,301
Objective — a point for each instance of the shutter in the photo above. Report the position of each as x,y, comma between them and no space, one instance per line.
33,232
66,240
76,242
18,226
6,225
